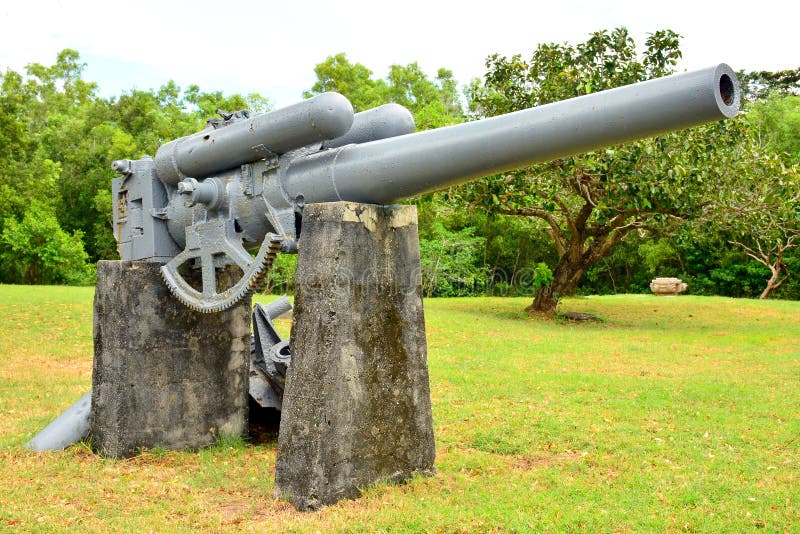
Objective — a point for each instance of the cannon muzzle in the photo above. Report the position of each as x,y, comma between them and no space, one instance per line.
387,170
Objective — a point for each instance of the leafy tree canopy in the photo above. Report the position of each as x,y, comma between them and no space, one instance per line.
761,84
433,103
589,203
58,138
776,120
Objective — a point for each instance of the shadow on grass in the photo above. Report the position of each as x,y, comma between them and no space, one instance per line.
264,424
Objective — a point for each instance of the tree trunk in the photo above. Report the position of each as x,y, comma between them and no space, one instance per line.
773,282
583,245
544,302
565,281
763,255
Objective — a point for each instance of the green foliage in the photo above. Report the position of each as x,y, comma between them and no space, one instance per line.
657,255
433,103
511,244
559,70
450,262
622,271
737,179
208,103
36,250
542,275
354,81
759,85
777,121
739,278
589,203
759,205
281,277
58,139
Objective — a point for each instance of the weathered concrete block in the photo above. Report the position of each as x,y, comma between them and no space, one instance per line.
668,286
356,408
163,375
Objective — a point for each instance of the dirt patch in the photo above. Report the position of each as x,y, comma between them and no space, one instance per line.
233,512
543,461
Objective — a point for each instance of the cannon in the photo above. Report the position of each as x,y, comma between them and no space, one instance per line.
241,183
231,197
206,200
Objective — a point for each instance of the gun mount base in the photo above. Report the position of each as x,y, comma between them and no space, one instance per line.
270,356
163,374
356,406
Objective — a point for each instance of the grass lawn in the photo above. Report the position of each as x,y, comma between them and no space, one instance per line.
670,414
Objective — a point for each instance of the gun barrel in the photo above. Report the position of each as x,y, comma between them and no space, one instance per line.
389,120
326,116
388,170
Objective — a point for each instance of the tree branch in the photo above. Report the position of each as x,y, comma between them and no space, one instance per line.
782,280
753,254
599,247
556,233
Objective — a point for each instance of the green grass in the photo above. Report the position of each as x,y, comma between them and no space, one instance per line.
670,414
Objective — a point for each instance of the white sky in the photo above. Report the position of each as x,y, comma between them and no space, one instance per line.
271,47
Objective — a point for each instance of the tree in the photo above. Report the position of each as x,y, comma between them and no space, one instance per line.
450,261
37,251
776,120
26,173
591,202
58,139
450,257
760,207
433,103
759,85
353,80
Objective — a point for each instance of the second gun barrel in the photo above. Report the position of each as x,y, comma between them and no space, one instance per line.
326,116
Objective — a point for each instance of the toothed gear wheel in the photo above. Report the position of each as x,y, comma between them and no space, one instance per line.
213,244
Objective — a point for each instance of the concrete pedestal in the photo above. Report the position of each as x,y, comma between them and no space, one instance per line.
164,375
356,407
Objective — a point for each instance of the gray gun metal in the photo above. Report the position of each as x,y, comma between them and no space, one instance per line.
205,200
270,356
68,428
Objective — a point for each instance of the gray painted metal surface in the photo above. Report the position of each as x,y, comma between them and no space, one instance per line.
243,181
385,171
276,308
68,428
383,122
139,224
222,147
270,356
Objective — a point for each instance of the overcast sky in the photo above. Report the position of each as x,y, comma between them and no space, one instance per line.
271,47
